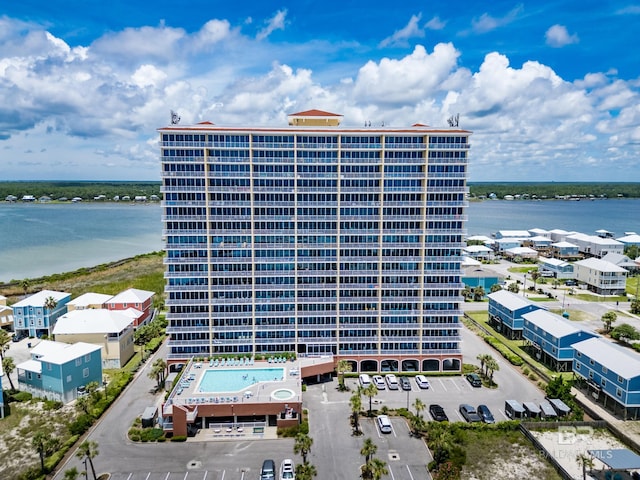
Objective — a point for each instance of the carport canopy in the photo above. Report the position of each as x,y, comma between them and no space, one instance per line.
617,459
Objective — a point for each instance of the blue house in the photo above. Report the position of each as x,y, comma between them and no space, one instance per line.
506,310
33,318
551,338
612,375
564,250
56,370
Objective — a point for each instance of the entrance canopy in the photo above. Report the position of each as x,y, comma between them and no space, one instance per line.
617,459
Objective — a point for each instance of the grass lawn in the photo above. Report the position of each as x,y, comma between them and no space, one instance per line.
633,285
523,269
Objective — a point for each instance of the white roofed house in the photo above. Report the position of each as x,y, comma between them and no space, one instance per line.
36,316
140,300
622,261
595,246
112,331
565,251
521,252
540,232
56,370
556,268
88,300
512,234
6,314
631,239
503,244
479,252
601,277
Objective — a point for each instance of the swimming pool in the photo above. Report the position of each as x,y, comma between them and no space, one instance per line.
236,379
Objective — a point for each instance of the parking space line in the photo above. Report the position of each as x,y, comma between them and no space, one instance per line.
442,383
390,472
186,474
454,384
148,475
409,470
168,475
129,477
206,472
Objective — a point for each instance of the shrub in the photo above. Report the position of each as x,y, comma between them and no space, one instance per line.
504,351
52,405
179,438
80,424
20,397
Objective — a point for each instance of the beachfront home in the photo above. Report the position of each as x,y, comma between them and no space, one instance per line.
36,315
601,277
622,261
506,310
595,246
564,251
112,331
540,232
612,375
551,338
502,244
559,235
88,301
140,300
512,234
57,370
6,314
554,267
520,252
479,252
539,243
631,239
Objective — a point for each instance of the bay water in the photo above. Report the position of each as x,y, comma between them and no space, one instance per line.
43,239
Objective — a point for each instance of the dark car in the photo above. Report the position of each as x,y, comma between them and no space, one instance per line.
485,414
268,470
474,380
437,413
469,413
405,384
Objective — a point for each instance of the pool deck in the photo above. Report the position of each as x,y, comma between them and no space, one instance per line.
186,391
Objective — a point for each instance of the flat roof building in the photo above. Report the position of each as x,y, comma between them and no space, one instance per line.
317,239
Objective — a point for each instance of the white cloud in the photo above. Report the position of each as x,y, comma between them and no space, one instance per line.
487,23
401,37
557,36
277,22
435,24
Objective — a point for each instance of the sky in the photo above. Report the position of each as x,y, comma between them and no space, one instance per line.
550,89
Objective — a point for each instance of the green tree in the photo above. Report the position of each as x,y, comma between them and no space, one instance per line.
496,287
71,474
158,372
370,391
356,406
447,471
467,293
342,367
305,471
368,449
635,306
45,443
26,283
83,404
535,275
478,293
88,450
377,469
492,366
558,388
5,343
513,287
608,319
419,406
50,303
302,445
482,358
585,462
632,251
625,332
8,365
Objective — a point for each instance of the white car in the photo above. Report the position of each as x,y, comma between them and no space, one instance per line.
287,470
422,382
379,382
392,381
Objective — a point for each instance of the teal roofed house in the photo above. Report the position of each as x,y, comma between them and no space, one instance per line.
57,370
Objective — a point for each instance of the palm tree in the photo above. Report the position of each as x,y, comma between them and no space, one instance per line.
71,474
158,372
342,367
496,287
26,283
370,391
419,406
368,450
302,445
482,358
305,471
492,366
45,444
478,293
609,319
50,303
377,468
8,365
88,450
356,405
586,462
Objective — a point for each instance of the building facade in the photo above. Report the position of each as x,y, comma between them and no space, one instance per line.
36,315
506,310
315,239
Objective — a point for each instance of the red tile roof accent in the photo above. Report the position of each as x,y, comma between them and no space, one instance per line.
315,113
419,125
206,123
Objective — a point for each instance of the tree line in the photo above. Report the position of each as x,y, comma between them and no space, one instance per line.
85,190
553,189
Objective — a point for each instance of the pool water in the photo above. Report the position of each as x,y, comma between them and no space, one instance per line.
236,379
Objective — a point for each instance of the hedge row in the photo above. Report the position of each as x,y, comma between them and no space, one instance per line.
504,350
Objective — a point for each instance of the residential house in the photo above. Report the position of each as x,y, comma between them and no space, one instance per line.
601,277
540,232
551,338
539,243
57,370
6,314
475,275
512,234
565,251
33,318
622,261
595,246
88,301
141,300
503,244
631,239
479,252
506,310
112,331
521,252
612,374
559,235
554,267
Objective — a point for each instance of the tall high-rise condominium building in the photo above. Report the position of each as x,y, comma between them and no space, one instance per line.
316,239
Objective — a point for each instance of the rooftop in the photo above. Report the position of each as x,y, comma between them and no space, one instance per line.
38,299
90,299
615,358
510,300
132,295
59,353
551,323
92,321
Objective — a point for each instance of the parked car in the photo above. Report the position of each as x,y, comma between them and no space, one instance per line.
474,379
485,414
268,470
384,424
437,413
422,382
392,381
469,413
379,382
405,384
287,470
16,337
